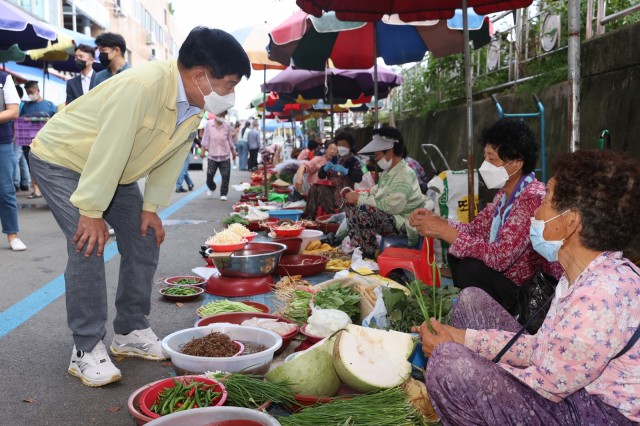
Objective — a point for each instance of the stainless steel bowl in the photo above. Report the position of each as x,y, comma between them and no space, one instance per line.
254,260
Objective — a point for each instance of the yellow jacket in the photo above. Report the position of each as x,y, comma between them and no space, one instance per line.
122,130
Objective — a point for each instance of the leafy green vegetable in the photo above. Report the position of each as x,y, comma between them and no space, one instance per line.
234,218
256,189
298,307
335,296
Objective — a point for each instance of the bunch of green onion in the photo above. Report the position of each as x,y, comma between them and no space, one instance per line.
251,391
385,408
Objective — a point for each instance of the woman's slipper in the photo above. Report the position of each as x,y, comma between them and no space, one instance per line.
34,195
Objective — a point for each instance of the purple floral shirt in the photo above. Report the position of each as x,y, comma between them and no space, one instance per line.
587,325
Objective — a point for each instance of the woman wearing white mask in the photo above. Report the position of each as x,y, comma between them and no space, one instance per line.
386,208
341,171
583,365
493,252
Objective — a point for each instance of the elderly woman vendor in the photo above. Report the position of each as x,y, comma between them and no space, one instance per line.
575,370
385,209
493,252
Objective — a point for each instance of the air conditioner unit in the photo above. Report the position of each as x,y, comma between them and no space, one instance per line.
118,10
151,38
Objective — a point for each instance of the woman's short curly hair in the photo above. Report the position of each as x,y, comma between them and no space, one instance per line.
513,140
604,187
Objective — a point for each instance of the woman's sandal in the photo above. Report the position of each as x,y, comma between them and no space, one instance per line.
34,195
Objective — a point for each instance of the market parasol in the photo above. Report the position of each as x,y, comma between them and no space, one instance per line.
18,27
412,10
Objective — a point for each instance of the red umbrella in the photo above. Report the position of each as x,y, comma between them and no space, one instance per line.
407,10
419,10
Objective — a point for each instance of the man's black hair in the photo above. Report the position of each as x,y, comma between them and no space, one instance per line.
31,83
216,50
86,49
112,40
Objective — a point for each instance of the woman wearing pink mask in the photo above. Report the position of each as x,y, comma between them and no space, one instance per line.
493,252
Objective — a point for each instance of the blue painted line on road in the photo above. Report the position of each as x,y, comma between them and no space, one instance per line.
19,313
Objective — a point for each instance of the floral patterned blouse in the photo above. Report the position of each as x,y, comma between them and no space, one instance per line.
512,252
589,322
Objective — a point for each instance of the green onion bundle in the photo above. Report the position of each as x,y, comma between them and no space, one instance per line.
221,306
250,391
415,287
385,408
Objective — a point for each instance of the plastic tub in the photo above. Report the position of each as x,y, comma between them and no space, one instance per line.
286,214
307,236
301,264
250,364
239,317
216,416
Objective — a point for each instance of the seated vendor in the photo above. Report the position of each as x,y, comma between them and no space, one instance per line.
342,171
307,173
575,370
493,252
386,208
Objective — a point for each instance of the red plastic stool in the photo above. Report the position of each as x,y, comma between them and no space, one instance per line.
418,262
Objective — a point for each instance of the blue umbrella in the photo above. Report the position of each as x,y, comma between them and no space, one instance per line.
18,27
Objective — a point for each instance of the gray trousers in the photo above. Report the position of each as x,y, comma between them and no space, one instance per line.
85,282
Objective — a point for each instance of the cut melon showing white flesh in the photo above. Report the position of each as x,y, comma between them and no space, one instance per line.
310,374
367,359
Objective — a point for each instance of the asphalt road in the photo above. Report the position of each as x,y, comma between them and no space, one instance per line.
35,350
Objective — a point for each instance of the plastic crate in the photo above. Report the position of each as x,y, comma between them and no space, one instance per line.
26,128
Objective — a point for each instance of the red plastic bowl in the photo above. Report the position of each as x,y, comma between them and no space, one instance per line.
228,247
310,337
173,281
301,264
150,395
181,298
293,245
327,228
260,306
257,225
287,232
250,237
239,317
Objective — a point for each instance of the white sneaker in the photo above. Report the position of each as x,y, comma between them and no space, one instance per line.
139,343
93,368
17,245
209,193
111,232
223,197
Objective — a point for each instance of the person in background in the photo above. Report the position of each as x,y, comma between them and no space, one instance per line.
112,49
217,141
85,81
140,124
235,134
21,175
493,252
386,208
184,177
420,174
341,171
9,111
253,141
307,173
309,152
243,146
36,107
574,370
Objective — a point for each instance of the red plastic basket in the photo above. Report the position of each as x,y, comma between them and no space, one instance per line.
26,128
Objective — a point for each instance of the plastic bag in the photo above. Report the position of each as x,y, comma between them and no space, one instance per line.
357,262
378,316
241,186
531,296
346,246
366,183
325,322
255,214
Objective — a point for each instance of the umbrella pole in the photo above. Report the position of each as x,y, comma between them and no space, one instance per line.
264,134
376,123
331,102
574,75
469,95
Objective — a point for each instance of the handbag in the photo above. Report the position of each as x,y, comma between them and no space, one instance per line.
531,296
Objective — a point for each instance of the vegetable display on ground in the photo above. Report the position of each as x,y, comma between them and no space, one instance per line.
251,391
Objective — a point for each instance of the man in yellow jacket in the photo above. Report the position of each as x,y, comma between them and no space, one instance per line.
88,159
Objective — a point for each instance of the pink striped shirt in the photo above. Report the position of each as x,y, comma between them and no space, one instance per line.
587,325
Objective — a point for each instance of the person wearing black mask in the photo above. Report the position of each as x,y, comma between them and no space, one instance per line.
112,50
83,82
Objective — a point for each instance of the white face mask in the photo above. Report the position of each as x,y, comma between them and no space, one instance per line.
343,151
494,177
384,164
214,103
33,97
220,120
